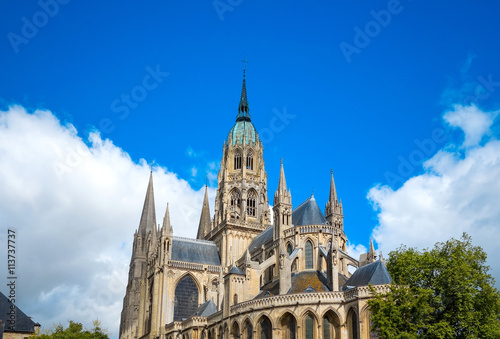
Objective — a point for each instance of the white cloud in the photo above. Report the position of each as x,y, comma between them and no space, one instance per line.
75,207
194,171
458,192
474,123
190,152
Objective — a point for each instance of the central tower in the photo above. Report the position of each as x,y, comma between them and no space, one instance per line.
241,203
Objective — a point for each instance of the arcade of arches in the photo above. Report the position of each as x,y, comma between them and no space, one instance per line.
288,325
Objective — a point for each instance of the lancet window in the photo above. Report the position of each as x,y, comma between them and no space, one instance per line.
237,160
251,203
250,160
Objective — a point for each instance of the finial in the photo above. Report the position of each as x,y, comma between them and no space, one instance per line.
206,180
243,109
282,161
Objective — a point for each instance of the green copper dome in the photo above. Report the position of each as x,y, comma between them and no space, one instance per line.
243,130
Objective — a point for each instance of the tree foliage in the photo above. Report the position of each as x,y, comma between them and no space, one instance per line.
445,292
74,331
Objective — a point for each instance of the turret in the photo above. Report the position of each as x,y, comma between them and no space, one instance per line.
204,226
282,207
369,257
333,210
166,234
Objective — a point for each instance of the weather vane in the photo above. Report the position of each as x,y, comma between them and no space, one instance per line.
244,63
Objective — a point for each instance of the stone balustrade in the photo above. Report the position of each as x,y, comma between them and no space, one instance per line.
307,298
312,229
193,267
288,300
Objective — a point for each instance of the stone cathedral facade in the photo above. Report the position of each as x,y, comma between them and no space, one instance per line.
249,274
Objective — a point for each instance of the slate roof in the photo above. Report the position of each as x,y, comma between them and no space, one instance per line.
308,213
261,238
308,281
206,309
23,322
235,270
374,273
269,289
195,251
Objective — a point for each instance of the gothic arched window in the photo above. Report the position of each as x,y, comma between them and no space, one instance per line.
248,330
309,327
237,160
331,326
235,203
288,327
250,160
251,205
309,255
186,298
235,198
289,249
266,328
352,324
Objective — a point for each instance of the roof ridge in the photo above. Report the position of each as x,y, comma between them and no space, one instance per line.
194,240
303,202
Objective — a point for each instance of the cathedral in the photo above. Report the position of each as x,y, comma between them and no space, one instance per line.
249,273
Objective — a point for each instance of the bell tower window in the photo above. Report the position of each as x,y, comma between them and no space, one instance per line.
237,160
251,209
250,160
235,203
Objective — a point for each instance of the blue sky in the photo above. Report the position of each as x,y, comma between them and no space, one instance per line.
369,115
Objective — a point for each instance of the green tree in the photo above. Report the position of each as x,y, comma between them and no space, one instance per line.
445,292
74,331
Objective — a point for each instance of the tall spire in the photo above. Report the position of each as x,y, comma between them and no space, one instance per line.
148,217
282,181
243,109
167,227
204,226
333,191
